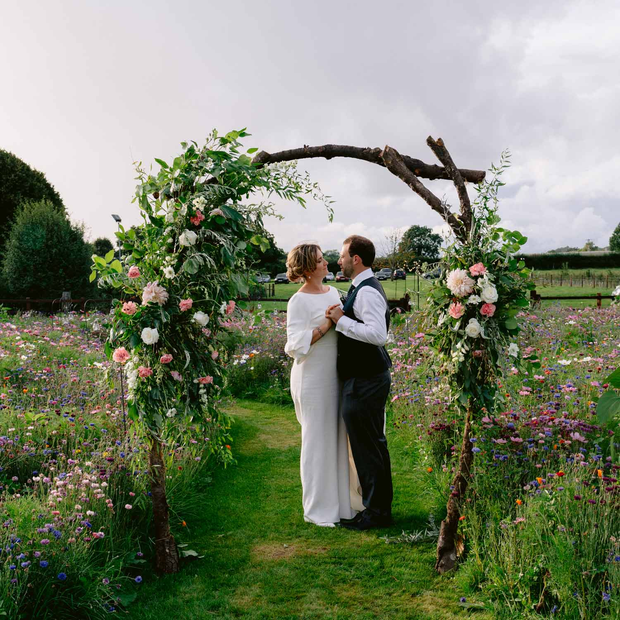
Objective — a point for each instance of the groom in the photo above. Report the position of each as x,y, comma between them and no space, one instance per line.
363,366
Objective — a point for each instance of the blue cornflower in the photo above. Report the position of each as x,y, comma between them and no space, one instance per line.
44,563
138,579
62,576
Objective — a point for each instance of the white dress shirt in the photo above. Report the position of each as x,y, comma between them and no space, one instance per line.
369,307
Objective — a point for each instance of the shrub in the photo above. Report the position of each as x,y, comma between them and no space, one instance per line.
45,254
571,261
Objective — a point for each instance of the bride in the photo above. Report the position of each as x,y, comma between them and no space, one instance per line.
330,490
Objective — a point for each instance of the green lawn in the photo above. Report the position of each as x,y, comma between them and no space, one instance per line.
261,560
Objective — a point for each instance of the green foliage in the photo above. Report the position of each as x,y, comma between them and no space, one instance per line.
474,325
570,261
271,260
19,183
614,240
45,254
422,243
198,242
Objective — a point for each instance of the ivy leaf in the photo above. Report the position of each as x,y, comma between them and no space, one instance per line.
608,406
511,323
614,378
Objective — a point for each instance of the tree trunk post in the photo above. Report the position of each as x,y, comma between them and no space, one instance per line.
446,544
166,552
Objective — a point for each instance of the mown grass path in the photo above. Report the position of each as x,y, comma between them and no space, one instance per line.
261,560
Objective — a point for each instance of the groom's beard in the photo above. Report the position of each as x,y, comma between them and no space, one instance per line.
347,271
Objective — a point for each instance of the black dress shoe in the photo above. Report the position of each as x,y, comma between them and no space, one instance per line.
368,521
356,518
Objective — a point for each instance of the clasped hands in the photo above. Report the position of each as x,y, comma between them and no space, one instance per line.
334,313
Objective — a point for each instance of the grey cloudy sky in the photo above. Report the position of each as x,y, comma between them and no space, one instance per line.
88,87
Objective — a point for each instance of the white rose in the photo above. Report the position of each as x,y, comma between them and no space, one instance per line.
188,237
473,329
171,413
513,349
489,294
201,318
169,272
473,299
149,336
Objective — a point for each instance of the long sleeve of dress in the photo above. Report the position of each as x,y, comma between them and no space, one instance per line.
298,330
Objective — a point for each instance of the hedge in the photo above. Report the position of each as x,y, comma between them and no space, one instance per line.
574,261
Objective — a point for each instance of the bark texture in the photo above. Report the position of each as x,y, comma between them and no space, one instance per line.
446,545
166,552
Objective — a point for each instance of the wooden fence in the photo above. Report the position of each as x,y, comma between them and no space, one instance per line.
568,279
536,299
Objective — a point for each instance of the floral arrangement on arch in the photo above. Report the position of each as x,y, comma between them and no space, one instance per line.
473,307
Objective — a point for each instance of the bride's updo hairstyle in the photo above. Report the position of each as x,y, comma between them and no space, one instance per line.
301,260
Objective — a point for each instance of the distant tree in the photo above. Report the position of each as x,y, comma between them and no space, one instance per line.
422,242
590,246
614,240
45,254
271,260
390,248
20,183
102,246
332,256
567,249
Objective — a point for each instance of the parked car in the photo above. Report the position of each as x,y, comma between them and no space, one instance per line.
433,274
329,277
263,278
384,274
281,278
340,277
399,274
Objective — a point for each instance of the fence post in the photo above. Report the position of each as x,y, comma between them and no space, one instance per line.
65,301
83,304
27,304
599,301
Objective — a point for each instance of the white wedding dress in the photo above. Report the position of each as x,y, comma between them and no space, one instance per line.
330,485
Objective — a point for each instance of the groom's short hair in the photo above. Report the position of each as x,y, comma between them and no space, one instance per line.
363,247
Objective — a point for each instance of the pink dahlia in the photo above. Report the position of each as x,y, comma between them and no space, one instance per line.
133,272
153,292
459,283
185,304
478,269
120,355
487,310
144,371
166,358
456,310
130,307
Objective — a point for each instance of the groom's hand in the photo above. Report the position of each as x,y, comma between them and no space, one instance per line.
334,313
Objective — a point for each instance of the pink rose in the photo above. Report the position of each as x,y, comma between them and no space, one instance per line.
144,371
478,269
133,272
456,310
205,380
166,358
206,331
487,310
214,355
129,307
230,307
185,304
120,355
197,218
176,375
478,353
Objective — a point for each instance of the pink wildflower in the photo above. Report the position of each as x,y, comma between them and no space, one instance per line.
176,375
120,355
166,358
205,380
185,304
197,218
487,310
478,269
214,355
456,310
144,371
230,307
130,307
133,272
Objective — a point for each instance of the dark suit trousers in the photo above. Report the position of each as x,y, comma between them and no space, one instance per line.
363,411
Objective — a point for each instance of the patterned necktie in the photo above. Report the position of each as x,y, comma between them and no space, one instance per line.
351,289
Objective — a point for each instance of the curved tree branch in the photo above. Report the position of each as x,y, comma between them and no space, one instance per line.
372,155
396,165
439,148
